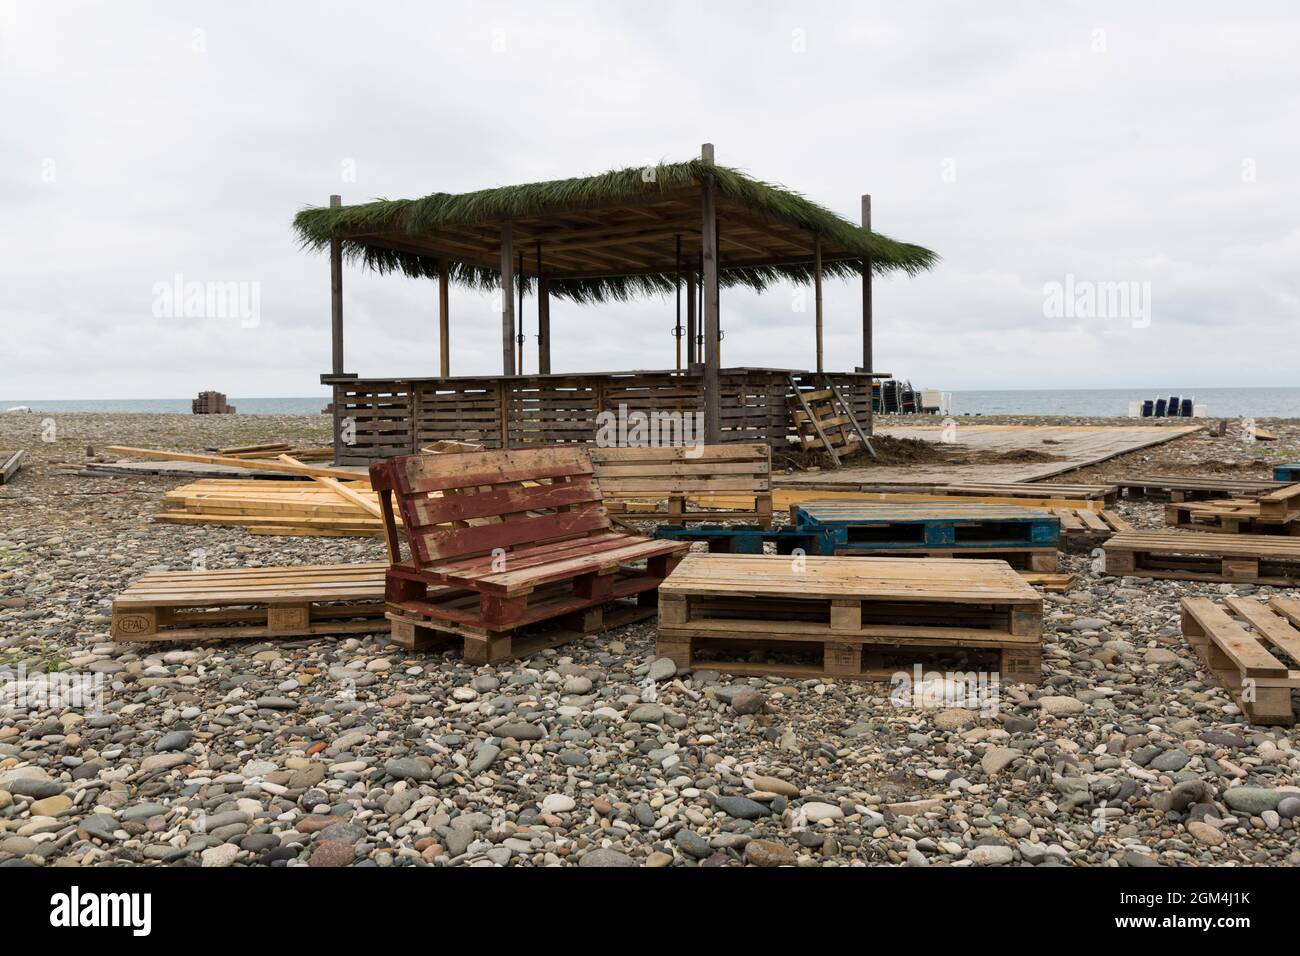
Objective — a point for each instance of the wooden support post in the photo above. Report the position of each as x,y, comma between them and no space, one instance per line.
712,353
520,339
336,294
867,357
444,324
507,300
692,324
817,300
543,325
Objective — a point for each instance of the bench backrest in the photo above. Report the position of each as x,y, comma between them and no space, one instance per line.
455,506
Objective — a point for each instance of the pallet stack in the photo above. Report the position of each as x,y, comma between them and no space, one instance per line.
212,403
1277,512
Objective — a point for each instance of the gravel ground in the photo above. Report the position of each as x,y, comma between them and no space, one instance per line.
349,752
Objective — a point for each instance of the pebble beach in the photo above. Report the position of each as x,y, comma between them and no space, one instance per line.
353,752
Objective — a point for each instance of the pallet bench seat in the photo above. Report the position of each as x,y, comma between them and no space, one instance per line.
843,617
1205,556
499,540
1182,488
275,602
1242,656
1287,472
740,472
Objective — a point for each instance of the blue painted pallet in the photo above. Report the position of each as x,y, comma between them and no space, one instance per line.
748,539
1289,472
847,524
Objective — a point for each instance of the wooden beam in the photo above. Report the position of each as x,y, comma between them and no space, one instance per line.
543,326
507,301
817,300
867,358
336,295
712,351
343,491
311,471
444,320
519,314
692,323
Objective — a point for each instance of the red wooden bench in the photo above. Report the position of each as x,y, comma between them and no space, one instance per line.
525,532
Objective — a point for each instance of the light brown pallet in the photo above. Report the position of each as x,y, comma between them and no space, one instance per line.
1082,525
846,614
246,603
1243,660
1041,560
1230,516
419,633
1183,488
1205,556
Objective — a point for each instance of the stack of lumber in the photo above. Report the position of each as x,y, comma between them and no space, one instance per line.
1277,512
273,507
337,502
270,450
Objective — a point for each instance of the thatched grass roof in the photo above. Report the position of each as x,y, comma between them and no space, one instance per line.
610,236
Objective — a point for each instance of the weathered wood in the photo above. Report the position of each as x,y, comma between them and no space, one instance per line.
841,610
251,464
817,301
1259,682
251,603
543,325
712,357
444,320
867,351
336,297
507,300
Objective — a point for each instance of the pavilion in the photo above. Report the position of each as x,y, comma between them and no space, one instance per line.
685,229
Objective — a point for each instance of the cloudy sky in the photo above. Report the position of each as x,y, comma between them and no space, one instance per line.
1082,144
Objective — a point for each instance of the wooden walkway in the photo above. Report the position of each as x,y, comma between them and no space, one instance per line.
1072,446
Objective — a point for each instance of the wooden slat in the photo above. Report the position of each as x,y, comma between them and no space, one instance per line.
1276,629
425,473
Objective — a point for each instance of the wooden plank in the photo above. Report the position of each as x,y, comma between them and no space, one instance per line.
252,465
1275,629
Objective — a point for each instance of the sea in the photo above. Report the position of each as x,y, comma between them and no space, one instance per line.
1085,402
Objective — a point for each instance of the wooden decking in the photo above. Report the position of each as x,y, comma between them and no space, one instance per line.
1071,448
1185,488
837,615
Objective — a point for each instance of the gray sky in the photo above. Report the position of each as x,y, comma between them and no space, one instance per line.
1151,144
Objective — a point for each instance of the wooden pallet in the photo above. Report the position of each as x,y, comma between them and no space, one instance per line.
741,472
1244,660
509,526
266,603
1205,556
1180,488
746,539
845,616
864,525
417,632
1036,560
1050,582
1227,516
822,417
1288,472
1084,526
10,464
